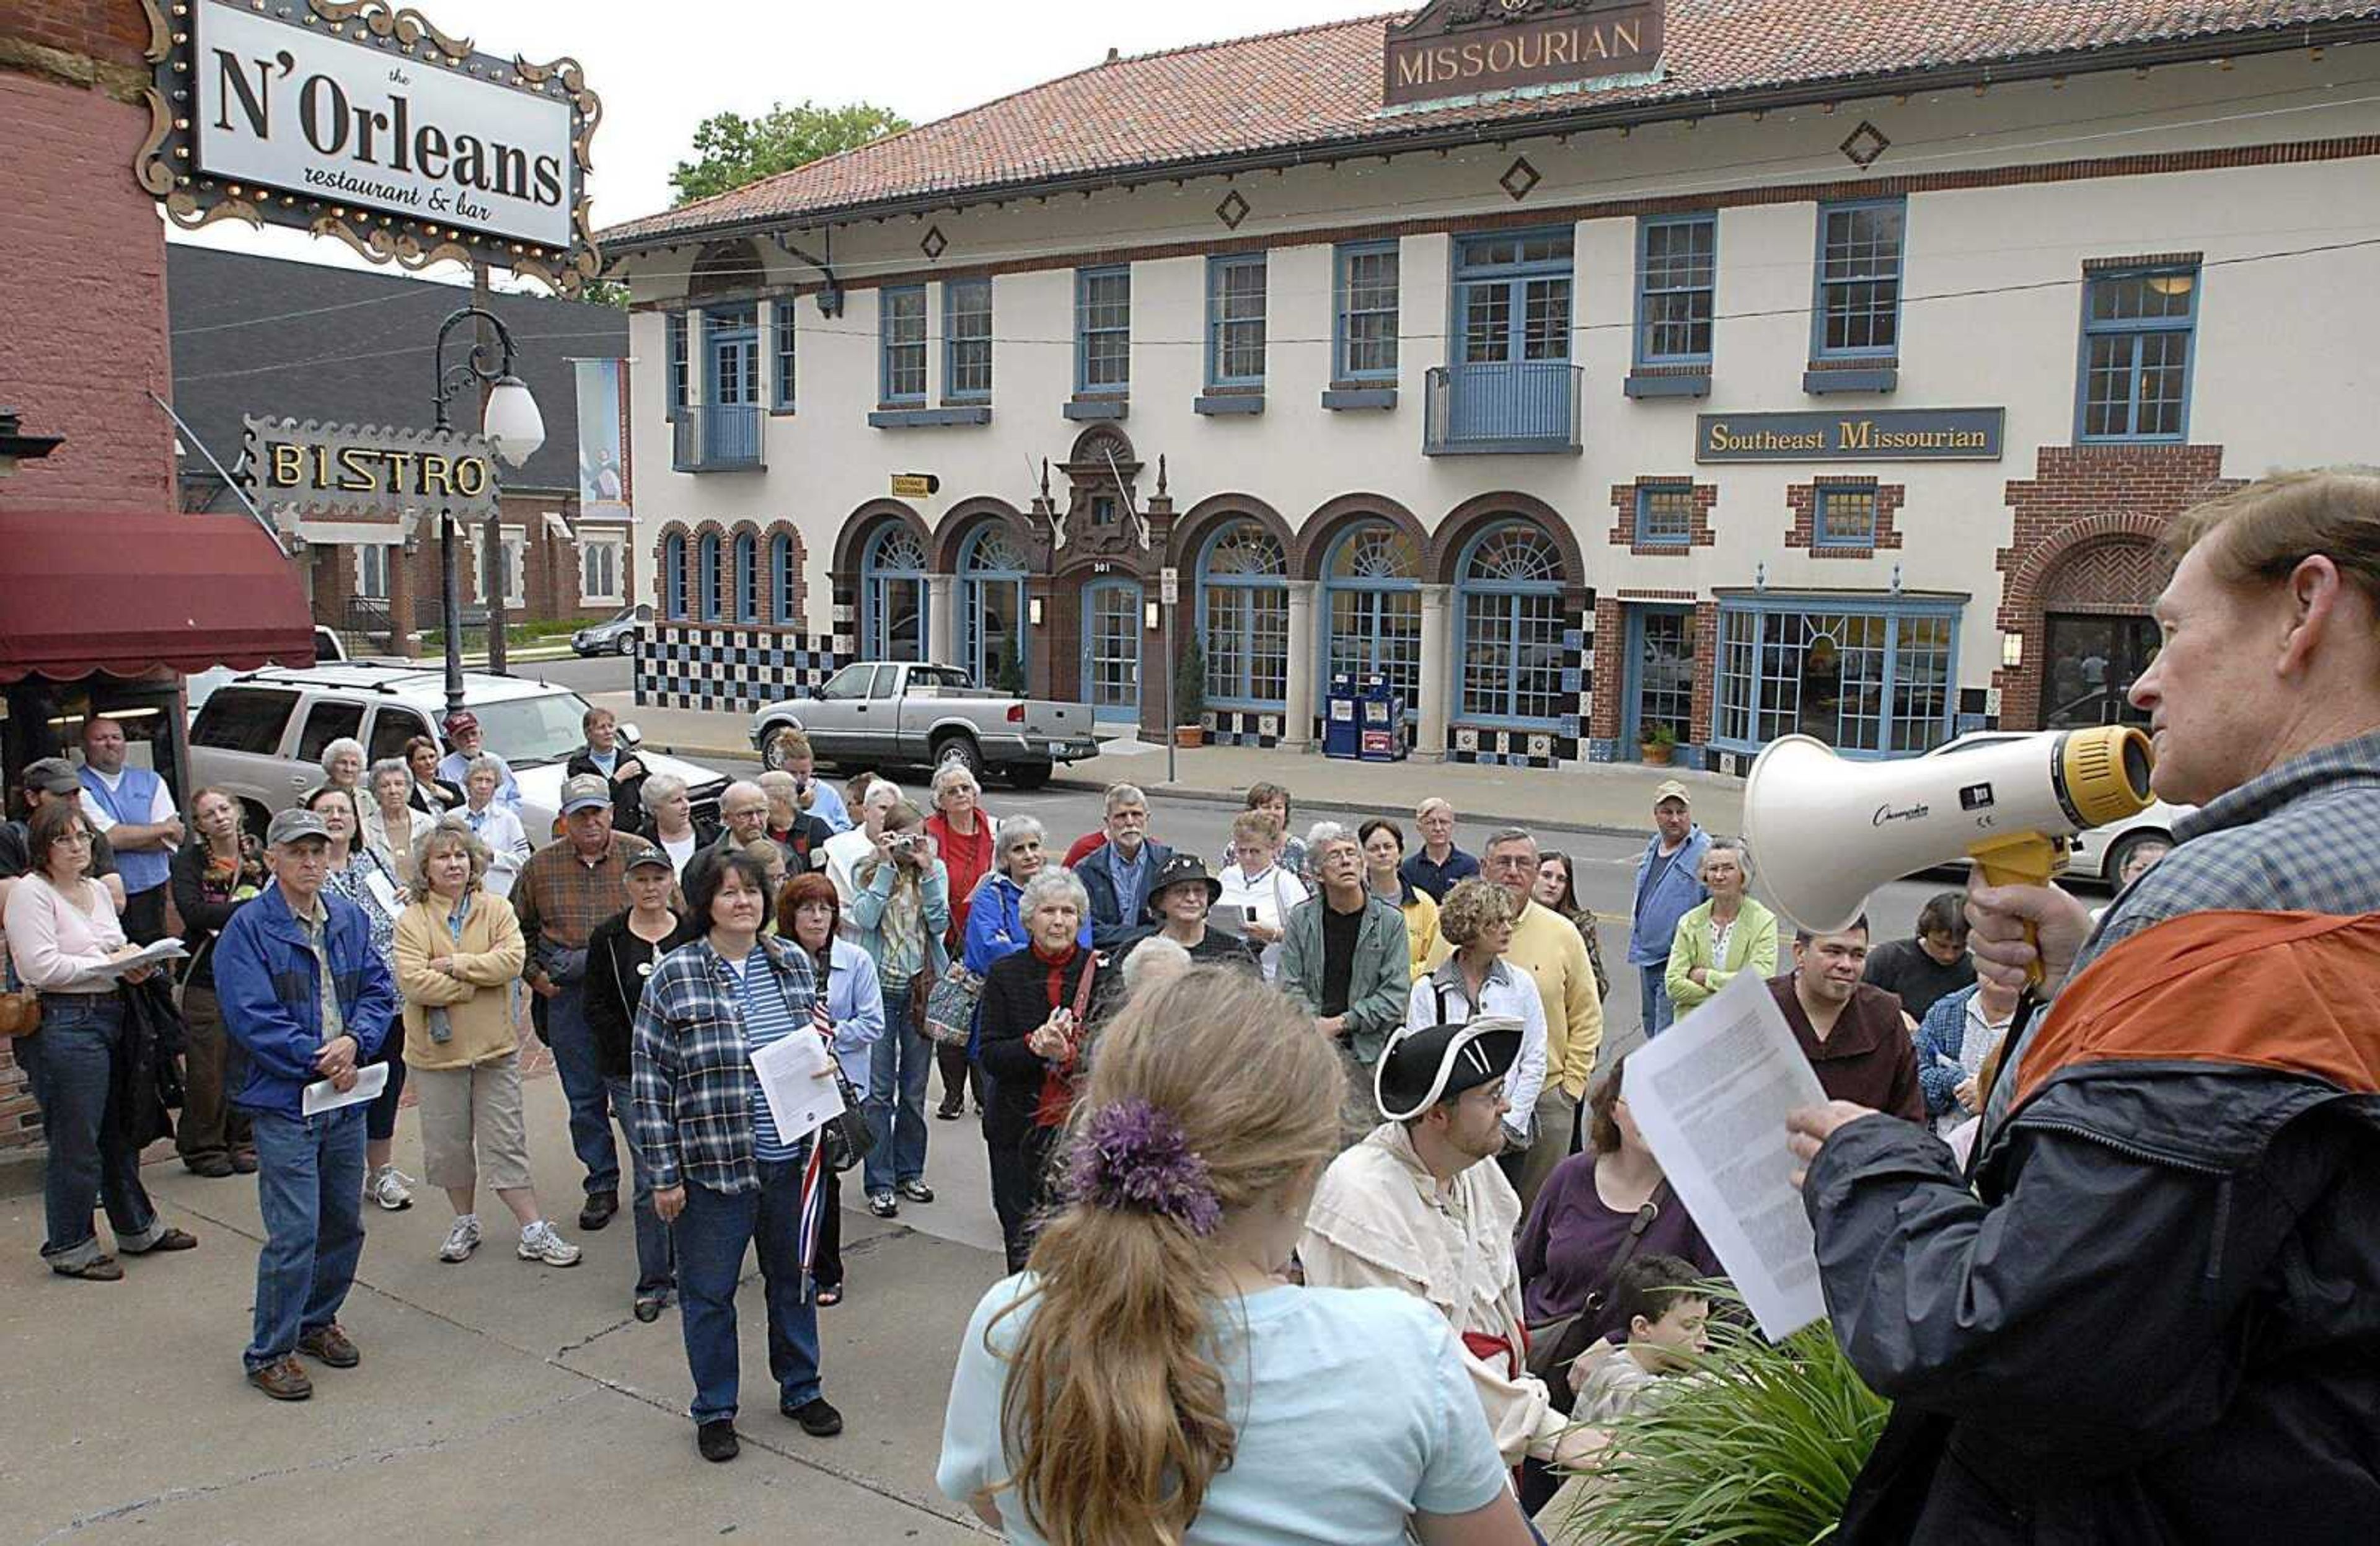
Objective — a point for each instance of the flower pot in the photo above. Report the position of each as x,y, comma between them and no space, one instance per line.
1187,735
1656,753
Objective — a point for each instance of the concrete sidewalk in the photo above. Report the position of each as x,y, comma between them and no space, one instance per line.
1614,798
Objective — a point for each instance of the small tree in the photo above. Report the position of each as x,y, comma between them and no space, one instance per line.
1190,685
1012,668
731,149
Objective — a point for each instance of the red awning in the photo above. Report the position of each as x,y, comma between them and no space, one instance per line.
128,591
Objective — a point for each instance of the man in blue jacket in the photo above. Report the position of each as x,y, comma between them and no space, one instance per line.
1116,876
309,1000
1669,886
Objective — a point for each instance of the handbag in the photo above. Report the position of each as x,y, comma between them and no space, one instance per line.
20,1008
845,1136
949,1008
1555,1345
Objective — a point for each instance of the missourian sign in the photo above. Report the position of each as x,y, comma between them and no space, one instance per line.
1885,435
1463,47
310,468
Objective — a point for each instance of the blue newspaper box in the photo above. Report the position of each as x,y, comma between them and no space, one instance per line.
1341,716
1383,714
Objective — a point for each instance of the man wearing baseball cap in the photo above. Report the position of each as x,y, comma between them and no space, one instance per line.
1417,1207
1669,886
46,779
309,1000
463,734
563,892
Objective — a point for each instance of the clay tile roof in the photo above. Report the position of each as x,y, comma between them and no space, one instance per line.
1321,85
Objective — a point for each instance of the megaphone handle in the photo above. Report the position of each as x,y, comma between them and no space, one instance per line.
2026,858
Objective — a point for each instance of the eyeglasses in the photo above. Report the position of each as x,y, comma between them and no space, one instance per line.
70,839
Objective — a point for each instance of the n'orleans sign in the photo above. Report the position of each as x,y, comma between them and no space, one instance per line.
352,119
1465,47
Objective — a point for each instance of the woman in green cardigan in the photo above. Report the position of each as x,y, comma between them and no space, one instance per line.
1726,935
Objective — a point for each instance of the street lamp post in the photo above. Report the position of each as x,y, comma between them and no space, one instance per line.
511,421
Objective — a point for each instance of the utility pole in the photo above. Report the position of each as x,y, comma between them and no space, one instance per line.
496,573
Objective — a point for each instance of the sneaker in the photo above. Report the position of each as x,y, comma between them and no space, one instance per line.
283,1380
462,1239
387,1187
915,1191
819,1419
716,1439
539,1243
883,1206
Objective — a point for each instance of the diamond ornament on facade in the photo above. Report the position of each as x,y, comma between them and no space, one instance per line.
1231,211
1519,178
1864,145
933,245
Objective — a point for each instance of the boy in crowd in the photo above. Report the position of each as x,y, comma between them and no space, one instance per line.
1667,1312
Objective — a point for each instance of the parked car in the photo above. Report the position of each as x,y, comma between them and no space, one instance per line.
616,635
890,713
260,736
200,685
2098,854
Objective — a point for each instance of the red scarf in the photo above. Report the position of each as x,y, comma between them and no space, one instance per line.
1056,1084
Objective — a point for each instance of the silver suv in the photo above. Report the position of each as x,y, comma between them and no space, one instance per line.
261,736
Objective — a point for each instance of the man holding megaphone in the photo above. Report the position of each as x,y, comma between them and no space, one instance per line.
2155,1315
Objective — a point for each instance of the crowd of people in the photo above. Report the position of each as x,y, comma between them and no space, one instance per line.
1357,1058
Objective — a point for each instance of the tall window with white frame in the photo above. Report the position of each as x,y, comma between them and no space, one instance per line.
1103,330
1244,617
1235,321
1367,286
903,326
371,572
678,346
1510,594
600,564
1677,289
782,325
1860,251
2138,328
967,341
1371,588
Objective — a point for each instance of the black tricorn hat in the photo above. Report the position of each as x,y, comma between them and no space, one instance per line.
1419,1068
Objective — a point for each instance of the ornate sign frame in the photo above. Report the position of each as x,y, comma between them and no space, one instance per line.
166,163
305,472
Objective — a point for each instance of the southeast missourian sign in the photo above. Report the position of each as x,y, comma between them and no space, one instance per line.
1466,47
354,119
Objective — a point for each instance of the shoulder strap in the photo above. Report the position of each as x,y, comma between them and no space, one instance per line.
1083,989
1636,1228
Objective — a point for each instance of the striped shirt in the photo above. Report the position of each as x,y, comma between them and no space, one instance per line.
766,1017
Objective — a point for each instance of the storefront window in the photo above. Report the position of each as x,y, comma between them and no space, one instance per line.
1244,617
1511,598
1874,681
1372,595
991,604
893,581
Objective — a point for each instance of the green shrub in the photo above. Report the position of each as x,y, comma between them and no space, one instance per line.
1190,683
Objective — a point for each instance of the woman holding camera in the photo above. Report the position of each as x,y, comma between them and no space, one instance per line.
1030,1034
901,908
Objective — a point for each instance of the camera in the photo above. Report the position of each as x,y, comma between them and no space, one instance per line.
900,843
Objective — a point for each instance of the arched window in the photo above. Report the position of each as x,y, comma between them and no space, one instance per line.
992,607
1244,617
673,575
1371,590
748,578
785,573
1511,596
893,596
707,564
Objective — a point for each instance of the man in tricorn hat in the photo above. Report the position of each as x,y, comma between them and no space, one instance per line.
1415,1207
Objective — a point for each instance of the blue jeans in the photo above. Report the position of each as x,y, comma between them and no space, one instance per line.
71,1064
1657,1008
309,1186
581,1067
897,1066
656,1266
711,1235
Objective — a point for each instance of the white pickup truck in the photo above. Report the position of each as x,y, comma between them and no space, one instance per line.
893,713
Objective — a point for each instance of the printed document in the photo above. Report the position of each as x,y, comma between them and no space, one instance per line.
1710,1096
148,955
320,1096
795,1077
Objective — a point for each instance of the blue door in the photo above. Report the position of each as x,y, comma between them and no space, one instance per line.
1111,649
1510,378
732,427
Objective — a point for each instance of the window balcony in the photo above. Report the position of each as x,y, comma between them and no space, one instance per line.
1513,408
712,437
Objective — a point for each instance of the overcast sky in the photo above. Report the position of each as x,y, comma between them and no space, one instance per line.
662,68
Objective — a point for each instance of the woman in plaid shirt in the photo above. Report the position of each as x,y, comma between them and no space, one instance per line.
723,1177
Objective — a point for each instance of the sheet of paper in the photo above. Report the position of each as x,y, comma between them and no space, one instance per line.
383,891
800,1099
370,1080
1710,1096
149,956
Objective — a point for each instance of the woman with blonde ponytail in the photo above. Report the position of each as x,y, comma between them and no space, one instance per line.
1153,1376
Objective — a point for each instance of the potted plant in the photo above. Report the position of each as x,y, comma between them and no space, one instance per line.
1190,696
1012,669
1660,743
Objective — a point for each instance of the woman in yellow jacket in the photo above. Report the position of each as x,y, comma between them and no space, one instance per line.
458,954
1726,935
1384,850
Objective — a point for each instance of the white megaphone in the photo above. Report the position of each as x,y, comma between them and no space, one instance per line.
1823,832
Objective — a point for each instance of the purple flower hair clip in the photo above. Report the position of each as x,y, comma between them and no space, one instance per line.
1132,1155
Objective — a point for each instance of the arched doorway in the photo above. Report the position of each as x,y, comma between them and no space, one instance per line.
2097,634
1111,633
992,568
893,620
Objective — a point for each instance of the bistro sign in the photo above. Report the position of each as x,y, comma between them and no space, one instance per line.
311,470
1464,47
356,120
1883,435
